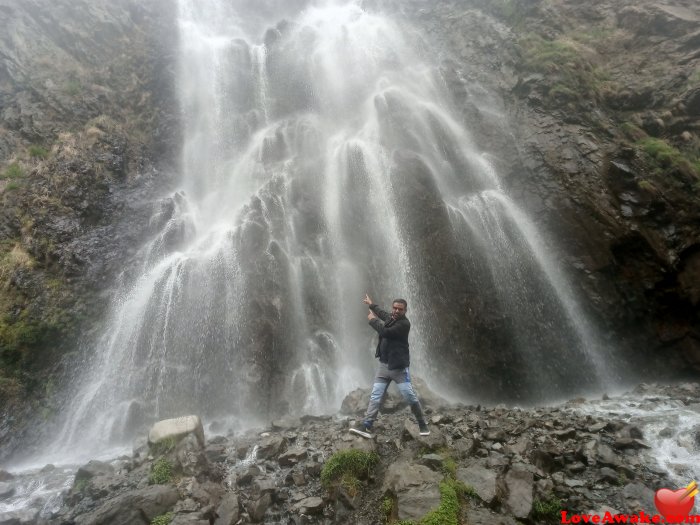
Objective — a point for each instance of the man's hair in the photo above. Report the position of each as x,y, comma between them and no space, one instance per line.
402,301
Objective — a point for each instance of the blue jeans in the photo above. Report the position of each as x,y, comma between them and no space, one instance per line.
382,379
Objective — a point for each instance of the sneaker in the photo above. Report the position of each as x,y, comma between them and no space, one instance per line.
361,430
423,428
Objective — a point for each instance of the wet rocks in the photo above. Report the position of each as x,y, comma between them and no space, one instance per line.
533,461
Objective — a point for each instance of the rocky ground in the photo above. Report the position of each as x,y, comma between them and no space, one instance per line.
505,465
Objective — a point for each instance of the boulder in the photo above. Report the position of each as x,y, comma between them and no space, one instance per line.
136,507
312,505
228,511
191,456
516,491
257,508
271,446
292,456
177,428
482,480
414,487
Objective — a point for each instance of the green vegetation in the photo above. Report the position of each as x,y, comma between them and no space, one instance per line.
648,187
448,511
449,467
667,157
572,75
13,171
632,131
548,510
80,485
38,152
163,447
161,472
346,468
163,519
73,87
387,508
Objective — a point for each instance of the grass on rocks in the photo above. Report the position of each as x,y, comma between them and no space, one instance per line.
161,472
163,519
346,468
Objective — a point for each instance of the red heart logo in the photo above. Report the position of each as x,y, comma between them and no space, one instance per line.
674,504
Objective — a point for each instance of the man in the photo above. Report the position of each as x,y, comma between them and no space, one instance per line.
392,351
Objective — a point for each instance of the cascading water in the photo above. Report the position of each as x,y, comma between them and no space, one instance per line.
301,146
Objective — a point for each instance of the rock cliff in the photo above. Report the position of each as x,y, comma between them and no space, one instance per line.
597,108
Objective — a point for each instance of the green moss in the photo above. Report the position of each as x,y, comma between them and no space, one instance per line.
347,467
448,511
13,171
12,186
548,510
163,519
161,472
38,152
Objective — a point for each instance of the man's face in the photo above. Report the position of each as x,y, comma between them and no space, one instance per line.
398,310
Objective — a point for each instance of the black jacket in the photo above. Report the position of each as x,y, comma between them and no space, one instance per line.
392,348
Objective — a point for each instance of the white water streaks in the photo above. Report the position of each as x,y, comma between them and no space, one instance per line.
306,133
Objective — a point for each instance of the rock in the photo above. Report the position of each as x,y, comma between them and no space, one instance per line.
476,516
482,480
92,469
606,456
292,456
494,434
434,441
516,491
310,506
257,508
355,403
6,476
190,456
415,489
176,429
228,511
433,461
562,435
626,442
271,446
136,507
609,475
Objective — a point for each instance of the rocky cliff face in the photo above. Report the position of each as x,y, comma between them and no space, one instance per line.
602,104
602,149
87,112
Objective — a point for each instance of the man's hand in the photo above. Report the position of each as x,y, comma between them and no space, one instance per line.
371,315
367,300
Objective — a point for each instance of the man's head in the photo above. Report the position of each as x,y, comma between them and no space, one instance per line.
398,308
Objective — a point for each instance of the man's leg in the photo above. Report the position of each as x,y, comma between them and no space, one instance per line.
403,381
376,398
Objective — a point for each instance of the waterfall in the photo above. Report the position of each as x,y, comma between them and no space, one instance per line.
311,150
